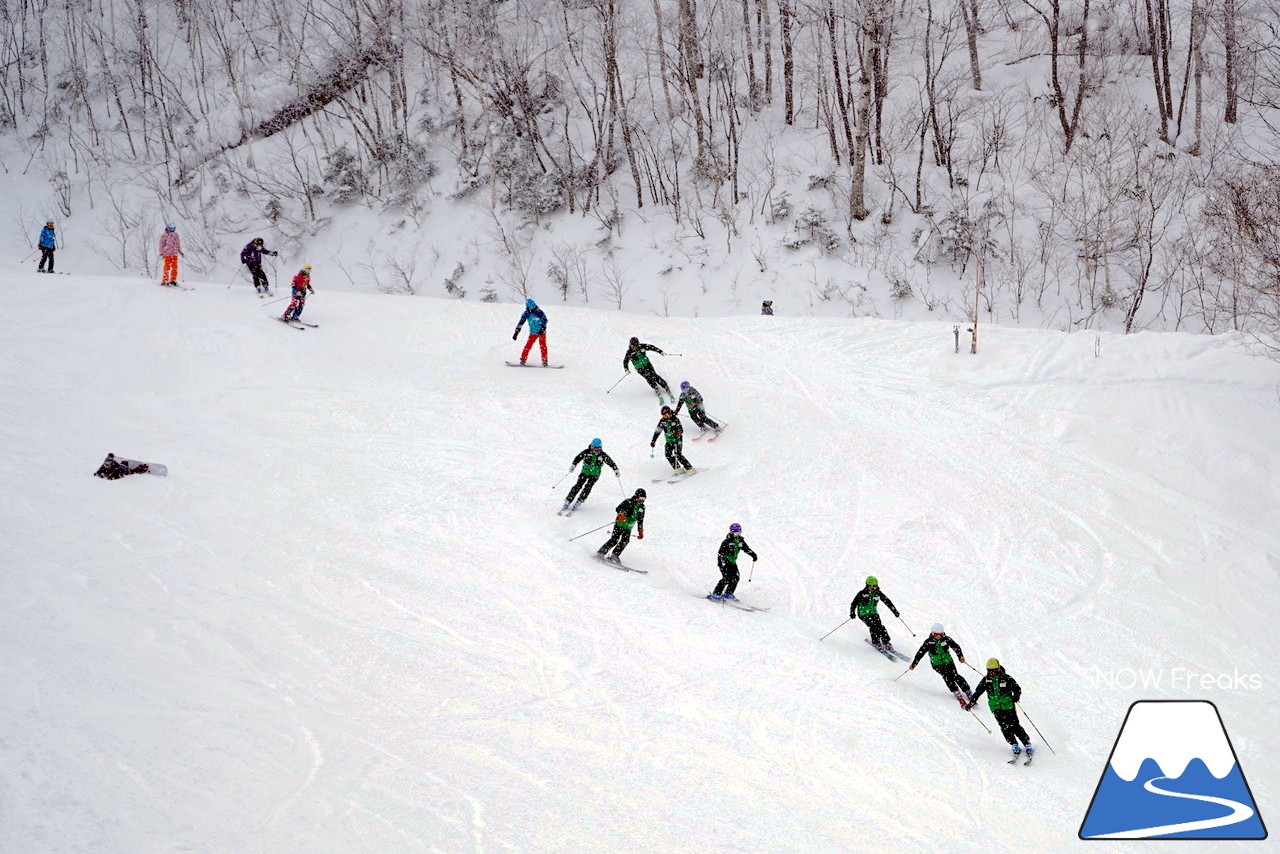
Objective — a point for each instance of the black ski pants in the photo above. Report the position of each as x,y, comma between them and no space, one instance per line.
617,542
879,636
1010,726
675,455
955,682
46,256
728,576
699,417
259,277
584,484
652,378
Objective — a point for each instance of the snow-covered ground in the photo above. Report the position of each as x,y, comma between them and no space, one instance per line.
350,621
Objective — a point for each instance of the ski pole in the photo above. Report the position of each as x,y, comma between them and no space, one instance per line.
974,669
29,256
1037,729
270,302
904,623
620,489
981,724
562,477
592,531
900,675
753,570
673,354
830,633
615,385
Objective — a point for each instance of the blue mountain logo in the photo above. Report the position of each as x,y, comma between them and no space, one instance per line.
1173,774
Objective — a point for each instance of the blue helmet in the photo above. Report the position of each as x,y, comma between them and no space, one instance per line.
530,304
735,528
596,443
684,385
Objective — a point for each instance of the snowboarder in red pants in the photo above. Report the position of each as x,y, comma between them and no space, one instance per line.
301,287
537,330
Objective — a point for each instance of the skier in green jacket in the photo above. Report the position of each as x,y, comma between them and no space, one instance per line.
674,430
863,607
690,397
635,355
630,513
727,560
939,646
593,459
1003,694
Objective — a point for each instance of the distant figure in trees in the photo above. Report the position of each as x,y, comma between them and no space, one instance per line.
170,249
767,307
301,287
537,330
48,244
251,257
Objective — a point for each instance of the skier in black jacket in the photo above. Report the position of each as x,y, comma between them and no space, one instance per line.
727,560
863,607
635,355
674,430
630,512
1003,694
593,459
690,397
938,645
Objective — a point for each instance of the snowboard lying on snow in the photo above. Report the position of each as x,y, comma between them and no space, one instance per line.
114,467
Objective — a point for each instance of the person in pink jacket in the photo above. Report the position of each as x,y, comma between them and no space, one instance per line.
170,249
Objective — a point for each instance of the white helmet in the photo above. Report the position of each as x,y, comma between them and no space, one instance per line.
936,629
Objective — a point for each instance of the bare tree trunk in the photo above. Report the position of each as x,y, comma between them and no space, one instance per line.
1229,24
788,64
691,62
969,11
662,59
764,35
858,152
753,87
835,73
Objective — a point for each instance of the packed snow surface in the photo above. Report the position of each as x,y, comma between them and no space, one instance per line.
349,619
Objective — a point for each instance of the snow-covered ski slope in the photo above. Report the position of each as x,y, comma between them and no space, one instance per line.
350,621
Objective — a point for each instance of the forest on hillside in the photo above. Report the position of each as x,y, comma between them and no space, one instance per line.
1118,159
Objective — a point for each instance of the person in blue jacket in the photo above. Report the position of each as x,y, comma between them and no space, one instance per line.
537,330
48,245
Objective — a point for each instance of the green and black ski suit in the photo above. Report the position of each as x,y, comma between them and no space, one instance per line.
690,397
630,512
863,607
727,560
635,356
593,460
1002,698
674,450
938,649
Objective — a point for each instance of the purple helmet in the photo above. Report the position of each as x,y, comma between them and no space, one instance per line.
735,528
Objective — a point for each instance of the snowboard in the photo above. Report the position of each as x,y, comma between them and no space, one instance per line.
157,469
518,365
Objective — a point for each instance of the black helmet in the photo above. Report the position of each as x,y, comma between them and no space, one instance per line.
666,410
640,493
634,341
257,240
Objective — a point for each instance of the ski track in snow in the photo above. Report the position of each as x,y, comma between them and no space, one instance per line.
349,620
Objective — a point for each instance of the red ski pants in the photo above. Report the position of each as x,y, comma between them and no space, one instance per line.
170,268
528,345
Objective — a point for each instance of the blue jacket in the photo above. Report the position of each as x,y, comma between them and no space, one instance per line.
537,320
48,238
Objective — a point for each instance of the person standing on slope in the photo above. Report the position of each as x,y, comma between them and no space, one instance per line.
301,287
537,330
674,430
766,308
47,244
727,560
1003,694
863,607
170,249
939,645
593,459
689,396
630,513
635,355
251,257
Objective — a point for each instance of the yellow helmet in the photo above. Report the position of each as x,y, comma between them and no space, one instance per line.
993,663
306,266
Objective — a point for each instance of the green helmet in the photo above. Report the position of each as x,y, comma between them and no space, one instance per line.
993,663
872,581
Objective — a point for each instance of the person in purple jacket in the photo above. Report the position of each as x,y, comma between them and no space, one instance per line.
251,257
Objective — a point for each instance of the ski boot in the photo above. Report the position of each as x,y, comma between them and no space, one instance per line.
1017,751
730,597
713,597
613,559
576,505
1030,753
564,508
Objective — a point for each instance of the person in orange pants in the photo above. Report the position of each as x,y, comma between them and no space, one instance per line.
170,249
537,330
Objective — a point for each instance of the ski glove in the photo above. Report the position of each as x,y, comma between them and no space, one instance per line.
515,335
640,535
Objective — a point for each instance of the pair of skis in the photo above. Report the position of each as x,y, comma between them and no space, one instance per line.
302,325
717,431
618,565
888,651
732,603
678,477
